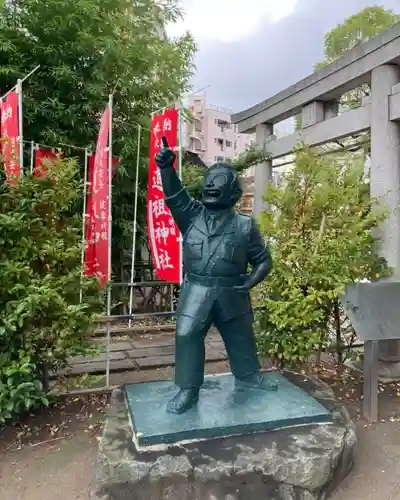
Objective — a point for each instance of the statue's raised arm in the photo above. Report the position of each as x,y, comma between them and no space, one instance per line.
183,207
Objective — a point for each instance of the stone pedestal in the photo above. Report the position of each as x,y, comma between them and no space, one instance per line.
304,462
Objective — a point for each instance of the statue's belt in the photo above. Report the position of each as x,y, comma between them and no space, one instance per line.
225,281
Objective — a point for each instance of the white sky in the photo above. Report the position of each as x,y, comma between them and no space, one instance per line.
229,20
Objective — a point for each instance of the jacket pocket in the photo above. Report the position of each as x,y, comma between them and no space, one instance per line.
233,252
193,250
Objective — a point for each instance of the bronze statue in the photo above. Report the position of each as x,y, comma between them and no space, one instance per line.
218,245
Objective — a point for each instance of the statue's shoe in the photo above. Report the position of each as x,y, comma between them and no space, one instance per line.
256,381
183,401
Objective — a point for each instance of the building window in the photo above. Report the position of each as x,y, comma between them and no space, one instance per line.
228,144
220,142
198,126
223,124
219,159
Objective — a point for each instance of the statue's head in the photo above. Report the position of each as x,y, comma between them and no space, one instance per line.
222,188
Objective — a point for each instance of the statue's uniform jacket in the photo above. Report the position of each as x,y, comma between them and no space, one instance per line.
216,252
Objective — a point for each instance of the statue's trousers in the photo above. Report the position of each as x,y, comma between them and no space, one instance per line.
205,301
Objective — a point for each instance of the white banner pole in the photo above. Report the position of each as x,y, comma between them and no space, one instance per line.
180,165
110,106
134,225
84,210
32,155
21,80
20,127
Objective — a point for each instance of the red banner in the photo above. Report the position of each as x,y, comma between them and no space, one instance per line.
100,201
91,264
163,234
10,145
41,155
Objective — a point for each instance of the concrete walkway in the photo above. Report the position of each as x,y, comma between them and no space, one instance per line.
62,468
376,475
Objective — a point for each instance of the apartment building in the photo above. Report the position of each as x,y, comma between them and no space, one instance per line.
211,134
214,138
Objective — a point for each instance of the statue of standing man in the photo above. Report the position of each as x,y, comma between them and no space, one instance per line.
218,245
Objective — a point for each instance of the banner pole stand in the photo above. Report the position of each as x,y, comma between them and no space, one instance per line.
85,183
134,226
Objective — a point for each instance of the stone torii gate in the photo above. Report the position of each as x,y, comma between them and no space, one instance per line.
316,97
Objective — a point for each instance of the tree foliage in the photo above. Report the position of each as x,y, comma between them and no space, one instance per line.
42,322
354,31
87,49
320,235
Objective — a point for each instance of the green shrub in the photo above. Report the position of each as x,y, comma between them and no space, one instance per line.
320,234
42,322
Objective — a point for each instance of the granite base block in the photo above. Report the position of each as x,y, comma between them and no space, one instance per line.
222,410
294,463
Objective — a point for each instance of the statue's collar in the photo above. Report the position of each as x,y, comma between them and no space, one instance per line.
225,222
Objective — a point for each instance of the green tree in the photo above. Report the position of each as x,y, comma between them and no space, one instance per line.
42,322
86,49
354,31
319,232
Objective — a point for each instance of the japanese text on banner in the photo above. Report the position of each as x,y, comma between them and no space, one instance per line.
10,140
164,236
90,263
100,199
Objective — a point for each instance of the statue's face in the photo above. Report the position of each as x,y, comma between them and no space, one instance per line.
219,186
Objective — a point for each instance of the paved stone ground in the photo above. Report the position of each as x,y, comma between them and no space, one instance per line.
63,469
57,457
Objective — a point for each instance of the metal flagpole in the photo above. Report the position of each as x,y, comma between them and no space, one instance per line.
21,141
37,144
110,109
32,155
134,225
85,186
180,160
21,80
